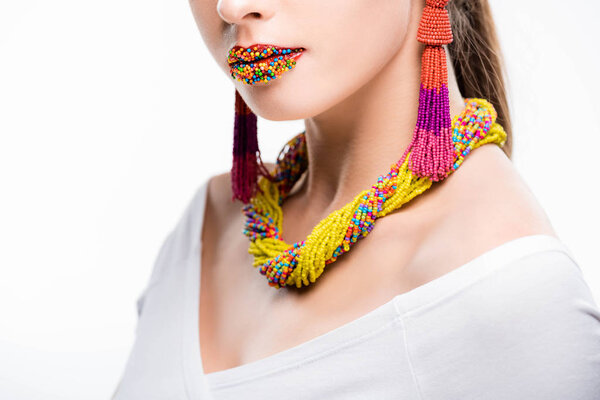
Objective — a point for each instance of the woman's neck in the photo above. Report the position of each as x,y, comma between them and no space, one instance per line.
356,141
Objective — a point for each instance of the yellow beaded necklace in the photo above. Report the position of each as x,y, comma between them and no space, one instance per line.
301,263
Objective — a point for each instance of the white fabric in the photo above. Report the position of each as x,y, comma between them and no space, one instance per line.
517,322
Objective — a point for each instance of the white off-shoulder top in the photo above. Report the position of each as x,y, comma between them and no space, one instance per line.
517,322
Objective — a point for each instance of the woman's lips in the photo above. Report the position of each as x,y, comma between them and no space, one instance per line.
261,62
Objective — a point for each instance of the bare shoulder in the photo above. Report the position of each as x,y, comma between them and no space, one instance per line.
481,205
221,207
492,200
222,225
220,197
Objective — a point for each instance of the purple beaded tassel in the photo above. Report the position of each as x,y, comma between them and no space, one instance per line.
432,145
247,163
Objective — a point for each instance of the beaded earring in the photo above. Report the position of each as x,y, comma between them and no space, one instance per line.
247,164
432,144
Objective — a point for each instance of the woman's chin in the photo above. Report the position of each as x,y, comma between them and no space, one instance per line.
279,101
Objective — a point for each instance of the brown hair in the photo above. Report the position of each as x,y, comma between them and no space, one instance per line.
477,59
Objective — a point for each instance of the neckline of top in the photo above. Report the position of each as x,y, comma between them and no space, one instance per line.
400,306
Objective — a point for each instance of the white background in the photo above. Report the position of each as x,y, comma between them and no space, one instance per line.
111,115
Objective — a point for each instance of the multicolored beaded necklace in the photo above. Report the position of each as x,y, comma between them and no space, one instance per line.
303,262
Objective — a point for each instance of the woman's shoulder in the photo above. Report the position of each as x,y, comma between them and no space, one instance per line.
480,206
219,199
489,193
220,203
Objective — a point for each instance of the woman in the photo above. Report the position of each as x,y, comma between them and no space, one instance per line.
464,290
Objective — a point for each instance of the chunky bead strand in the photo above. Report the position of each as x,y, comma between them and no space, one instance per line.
301,263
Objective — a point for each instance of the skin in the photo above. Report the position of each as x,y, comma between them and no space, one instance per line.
356,88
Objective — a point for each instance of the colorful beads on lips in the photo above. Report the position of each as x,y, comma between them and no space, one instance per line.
254,65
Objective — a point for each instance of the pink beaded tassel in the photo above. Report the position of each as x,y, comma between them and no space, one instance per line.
432,146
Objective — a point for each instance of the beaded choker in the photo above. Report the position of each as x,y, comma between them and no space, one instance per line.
301,263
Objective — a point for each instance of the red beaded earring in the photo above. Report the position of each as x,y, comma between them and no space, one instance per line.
247,164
